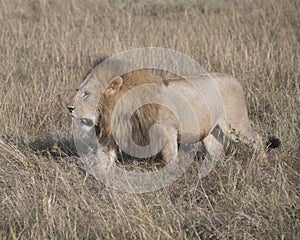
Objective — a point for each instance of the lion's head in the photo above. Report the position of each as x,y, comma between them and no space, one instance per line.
96,99
83,104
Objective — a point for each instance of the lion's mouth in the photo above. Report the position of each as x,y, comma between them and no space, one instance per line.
86,121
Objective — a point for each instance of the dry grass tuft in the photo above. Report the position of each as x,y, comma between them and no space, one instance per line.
46,48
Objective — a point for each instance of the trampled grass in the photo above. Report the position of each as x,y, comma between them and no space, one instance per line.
46,48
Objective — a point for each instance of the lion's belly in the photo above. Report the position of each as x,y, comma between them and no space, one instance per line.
197,105
194,132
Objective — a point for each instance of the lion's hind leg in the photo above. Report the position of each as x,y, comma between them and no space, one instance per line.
246,134
214,152
251,137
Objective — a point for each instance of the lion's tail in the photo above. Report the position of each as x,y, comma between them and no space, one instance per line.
272,143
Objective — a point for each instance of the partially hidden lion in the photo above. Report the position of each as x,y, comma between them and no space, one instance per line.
141,113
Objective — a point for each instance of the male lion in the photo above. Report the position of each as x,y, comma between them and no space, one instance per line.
216,101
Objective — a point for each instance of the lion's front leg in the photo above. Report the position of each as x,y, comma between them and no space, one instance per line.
112,155
170,149
107,158
106,165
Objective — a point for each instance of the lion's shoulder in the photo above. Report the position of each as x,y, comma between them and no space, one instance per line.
140,77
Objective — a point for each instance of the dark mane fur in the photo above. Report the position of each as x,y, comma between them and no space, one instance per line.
141,120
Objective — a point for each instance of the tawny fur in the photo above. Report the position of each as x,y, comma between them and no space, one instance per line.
220,103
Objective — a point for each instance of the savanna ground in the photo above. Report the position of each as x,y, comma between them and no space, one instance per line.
46,47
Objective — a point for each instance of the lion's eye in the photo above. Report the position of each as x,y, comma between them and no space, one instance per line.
85,94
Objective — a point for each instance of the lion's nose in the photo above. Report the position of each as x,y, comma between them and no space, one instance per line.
71,109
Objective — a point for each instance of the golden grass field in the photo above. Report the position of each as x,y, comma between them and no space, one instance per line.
46,48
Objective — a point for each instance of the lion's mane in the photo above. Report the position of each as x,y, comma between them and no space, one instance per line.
141,120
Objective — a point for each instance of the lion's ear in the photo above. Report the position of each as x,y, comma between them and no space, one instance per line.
115,86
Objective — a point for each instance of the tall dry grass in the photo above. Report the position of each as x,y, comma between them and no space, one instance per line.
46,48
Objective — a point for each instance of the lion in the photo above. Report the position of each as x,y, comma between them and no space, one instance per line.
216,100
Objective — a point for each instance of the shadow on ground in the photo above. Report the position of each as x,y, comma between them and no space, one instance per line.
56,147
